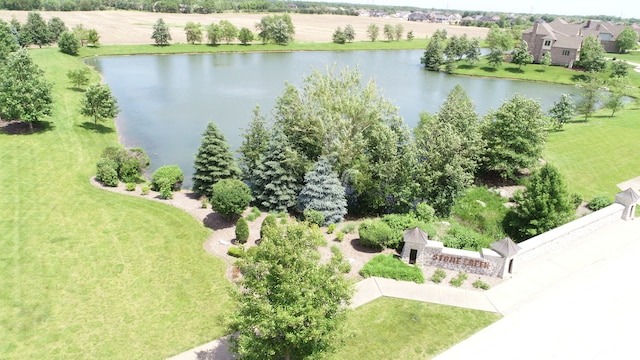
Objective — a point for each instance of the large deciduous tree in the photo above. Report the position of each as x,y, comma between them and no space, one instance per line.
213,162
627,40
229,31
349,33
276,28
290,305
545,204
36,30
245,36
99,103
323,192
373,31
499,39
161,34
515,135
8,42
592,55
25,95
56,27
450,146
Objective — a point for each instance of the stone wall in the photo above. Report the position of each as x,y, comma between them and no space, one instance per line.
487,262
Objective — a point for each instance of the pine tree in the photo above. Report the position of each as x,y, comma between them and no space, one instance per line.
433,56
323,192
275,184
255,143
161,34
214,161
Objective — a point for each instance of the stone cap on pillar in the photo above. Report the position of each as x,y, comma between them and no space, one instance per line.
505,247
627,197
416,236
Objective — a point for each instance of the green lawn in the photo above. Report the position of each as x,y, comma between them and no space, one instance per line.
87,273
389,328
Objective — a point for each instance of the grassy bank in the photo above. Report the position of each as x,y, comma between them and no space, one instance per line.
87,273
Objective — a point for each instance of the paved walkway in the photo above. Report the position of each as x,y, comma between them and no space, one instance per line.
589,290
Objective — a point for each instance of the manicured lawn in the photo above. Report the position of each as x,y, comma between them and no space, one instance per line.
389,328
87,273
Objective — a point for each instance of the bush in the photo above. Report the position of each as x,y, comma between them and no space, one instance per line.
236,251
388,266
168,175
458,280
599,202
438,276
242,231
343,266
424,212
349,228
314,217
479,284
399,223
339,236
129,163
461,237
106,174
165,189
375,234
69,43
131,186
255,213
331,228
269,222
145,189
230,197
204,202
576,199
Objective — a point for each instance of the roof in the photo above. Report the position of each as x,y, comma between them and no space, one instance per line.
416,236
505,247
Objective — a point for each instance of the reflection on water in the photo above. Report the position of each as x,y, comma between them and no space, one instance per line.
167,100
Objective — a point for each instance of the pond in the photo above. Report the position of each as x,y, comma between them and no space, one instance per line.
166,101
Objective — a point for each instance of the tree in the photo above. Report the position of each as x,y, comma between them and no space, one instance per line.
373,31
388,32
349,33
627,40
323,192
562,110
546,59
276,28
229,31
521,55
36,30
473,51
56,27
495,58
214,34
213,162
499,39
275,184
619,69
81,33
545,204
456,47
590,96
450,147
433,57
93,38
592,55
255,143
99,103
515,135
25,95
68,43
161,34
8,43
245,36
614,100
297,311
398,30
410,35
80,77
339,36
230,197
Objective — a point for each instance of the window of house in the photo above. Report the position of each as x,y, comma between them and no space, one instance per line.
566,52
547,43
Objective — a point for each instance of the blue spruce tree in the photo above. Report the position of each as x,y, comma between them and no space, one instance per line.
323,192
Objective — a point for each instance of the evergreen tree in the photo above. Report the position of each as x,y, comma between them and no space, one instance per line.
161,34
254,144
545,204
473,51
433,57
56,28
275,184
69,43
213,162
36,30
323,192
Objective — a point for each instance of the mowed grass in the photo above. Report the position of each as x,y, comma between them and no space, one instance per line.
596,155
88,274
389,328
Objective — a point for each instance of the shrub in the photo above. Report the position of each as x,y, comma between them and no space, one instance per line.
314,217
399,223
255,213
204,202
424,212
168,175
375,234
576,199
599,202
479,284
331,228
236,251
106,174
349,228
388,266
458,280
129,163
131,186
267,223
438,276
461,237
230,197
339,236
242,230
145,189
343,266
165,189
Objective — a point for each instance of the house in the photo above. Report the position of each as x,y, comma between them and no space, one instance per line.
402,14
560,39
606,31
418,16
